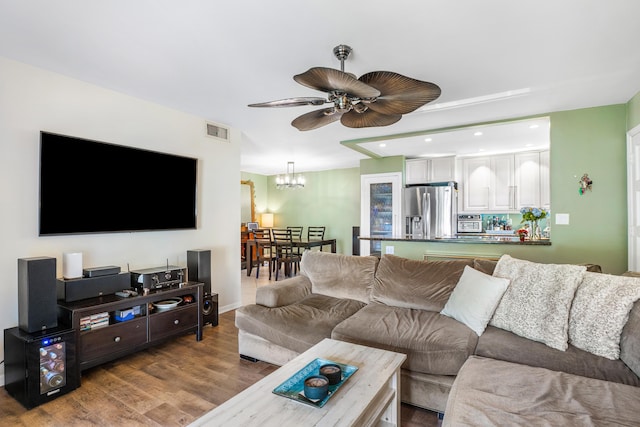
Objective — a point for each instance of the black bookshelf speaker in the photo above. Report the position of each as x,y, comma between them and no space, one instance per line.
37,307
199,268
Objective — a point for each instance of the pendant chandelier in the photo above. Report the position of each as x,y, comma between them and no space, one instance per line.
290,179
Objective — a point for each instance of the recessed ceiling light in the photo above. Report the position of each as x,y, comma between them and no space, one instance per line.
382,145
428,139
477,133
534,126
480,149
529,145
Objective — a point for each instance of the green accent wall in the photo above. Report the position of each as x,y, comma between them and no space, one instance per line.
633,112
382,165
592,141
329,198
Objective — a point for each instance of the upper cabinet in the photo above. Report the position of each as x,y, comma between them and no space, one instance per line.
422,171
505,183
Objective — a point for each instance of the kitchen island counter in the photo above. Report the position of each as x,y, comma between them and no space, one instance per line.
479,238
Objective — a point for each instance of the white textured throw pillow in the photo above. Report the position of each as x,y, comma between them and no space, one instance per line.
475,298
600,310
537,303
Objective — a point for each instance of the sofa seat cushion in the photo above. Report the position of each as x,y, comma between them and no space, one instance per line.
504,345
491,392
298,326
433,343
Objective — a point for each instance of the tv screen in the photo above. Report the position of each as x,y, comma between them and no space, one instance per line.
95,187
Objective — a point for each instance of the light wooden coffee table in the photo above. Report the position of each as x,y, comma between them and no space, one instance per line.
370,397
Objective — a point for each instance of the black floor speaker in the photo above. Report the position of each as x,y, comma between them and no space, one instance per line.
199,270
37,306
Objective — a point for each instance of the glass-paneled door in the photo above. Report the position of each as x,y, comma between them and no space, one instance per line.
381,210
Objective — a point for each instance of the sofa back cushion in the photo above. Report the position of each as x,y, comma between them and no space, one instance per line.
536,305
630,340
339,276
424,285
600,311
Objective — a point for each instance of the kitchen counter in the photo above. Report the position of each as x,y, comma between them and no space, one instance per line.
482,238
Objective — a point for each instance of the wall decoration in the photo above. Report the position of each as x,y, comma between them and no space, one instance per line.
585,184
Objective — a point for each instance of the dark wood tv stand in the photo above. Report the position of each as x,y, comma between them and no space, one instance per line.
148,327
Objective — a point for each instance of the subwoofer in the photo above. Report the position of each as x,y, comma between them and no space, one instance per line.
210,310
37,305
199,270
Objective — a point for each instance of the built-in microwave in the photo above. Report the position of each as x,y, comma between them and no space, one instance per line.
469,223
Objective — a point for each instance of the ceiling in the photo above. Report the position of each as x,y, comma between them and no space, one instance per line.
493,60
481,140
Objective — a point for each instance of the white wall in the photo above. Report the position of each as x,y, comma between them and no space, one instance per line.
32,100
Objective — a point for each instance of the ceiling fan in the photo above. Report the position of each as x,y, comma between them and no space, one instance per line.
379,98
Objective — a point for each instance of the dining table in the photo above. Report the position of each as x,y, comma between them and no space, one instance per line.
250,245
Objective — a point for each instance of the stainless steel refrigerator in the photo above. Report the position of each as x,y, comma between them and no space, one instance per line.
430,210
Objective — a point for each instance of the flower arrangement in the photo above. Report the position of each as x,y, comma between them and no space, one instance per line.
533,214
522,233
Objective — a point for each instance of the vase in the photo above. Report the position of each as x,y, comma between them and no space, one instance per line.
535,230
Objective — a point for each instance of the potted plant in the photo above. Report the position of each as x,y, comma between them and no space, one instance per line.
522,233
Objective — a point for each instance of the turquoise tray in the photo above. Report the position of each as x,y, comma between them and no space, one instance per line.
293,388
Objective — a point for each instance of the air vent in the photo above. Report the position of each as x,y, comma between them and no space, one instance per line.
217,131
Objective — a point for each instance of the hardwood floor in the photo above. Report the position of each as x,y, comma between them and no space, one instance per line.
168,385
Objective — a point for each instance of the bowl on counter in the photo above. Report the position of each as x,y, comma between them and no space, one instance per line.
167,304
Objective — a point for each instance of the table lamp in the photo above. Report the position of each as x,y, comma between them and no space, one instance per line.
267,220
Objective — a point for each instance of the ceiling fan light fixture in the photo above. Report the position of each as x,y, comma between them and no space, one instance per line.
360,108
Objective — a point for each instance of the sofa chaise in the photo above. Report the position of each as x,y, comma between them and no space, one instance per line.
427,310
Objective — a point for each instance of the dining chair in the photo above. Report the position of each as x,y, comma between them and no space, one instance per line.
284,254
315,233
264,250
296,236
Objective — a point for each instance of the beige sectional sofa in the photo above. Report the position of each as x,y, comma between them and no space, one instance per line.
395,303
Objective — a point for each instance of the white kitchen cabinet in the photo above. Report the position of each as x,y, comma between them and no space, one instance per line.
416,171
442,169
476,183
502,192
527,179
380,209
421,171
505,183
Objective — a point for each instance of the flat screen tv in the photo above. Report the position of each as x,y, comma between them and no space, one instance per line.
96,187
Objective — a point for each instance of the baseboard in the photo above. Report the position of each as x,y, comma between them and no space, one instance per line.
229,307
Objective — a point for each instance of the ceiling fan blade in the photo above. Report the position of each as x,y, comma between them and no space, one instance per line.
369,118
316,119
292,102
399,94
329,79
